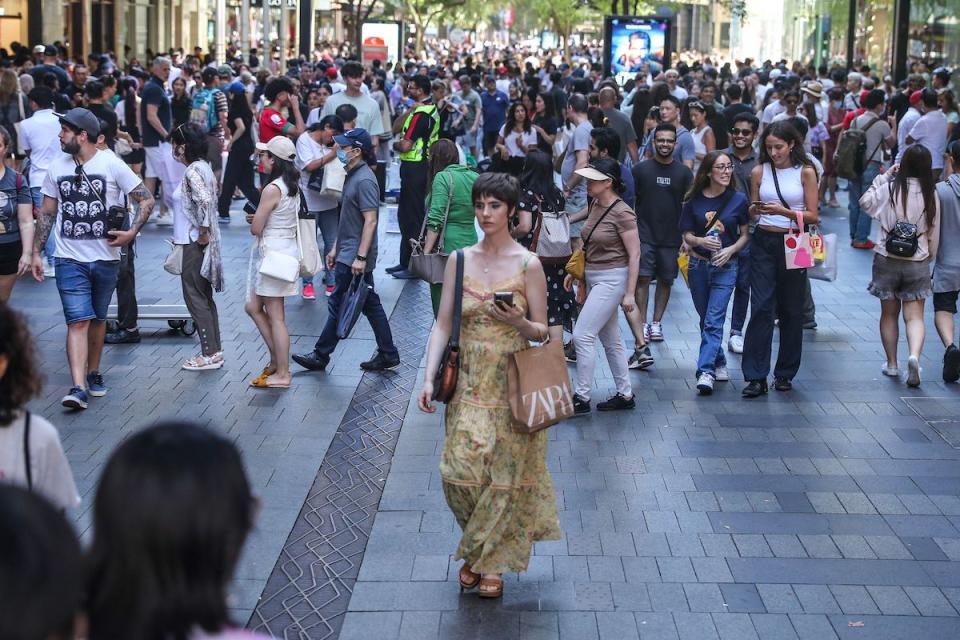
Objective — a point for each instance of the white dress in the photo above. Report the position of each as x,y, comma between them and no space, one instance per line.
279,234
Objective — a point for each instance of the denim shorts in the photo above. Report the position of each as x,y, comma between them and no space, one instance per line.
86,288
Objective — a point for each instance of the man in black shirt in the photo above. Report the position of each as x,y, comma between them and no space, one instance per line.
661,184
742,132
103,112
735,105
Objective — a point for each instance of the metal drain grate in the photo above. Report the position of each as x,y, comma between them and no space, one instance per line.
309,589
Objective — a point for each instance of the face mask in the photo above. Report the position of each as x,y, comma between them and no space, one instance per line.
837,104
342,156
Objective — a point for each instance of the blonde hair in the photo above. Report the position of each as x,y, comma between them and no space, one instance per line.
9,85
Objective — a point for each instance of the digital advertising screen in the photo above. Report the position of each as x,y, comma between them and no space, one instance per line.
380,41
631,42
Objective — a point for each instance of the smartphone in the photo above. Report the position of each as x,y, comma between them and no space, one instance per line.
249,208
757,203
505,298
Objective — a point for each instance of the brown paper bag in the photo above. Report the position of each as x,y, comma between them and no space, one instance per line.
539,387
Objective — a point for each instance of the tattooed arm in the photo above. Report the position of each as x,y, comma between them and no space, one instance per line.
46,216
145,203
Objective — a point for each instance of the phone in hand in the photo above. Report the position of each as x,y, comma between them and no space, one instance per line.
503,298
757,203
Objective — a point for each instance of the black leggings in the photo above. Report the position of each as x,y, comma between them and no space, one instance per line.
237,173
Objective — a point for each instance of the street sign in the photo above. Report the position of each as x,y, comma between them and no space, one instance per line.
457,36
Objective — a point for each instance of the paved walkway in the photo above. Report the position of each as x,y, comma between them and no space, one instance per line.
828,512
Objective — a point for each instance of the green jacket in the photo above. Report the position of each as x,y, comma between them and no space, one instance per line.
461,231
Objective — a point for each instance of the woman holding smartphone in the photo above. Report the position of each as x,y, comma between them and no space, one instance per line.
714,225
495,479
784,194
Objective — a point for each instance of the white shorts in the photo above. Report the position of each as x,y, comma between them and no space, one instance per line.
157,159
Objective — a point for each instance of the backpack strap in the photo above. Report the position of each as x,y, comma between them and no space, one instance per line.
26,451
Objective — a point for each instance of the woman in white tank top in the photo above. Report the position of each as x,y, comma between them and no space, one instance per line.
783,185
704,140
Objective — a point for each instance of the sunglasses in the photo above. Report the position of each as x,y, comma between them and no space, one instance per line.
77,175
741,132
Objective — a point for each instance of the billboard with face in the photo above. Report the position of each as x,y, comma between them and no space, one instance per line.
635,43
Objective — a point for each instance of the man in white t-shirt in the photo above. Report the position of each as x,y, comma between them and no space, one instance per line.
931,130
678,92
85,197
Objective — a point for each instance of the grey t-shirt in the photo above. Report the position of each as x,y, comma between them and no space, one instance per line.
579,141
619,122
474,105
875,135
368,111
361,192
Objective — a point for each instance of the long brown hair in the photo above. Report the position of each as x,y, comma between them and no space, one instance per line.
9,84
916,163
443,153
702,180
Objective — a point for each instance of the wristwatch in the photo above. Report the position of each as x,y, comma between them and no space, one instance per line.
361,258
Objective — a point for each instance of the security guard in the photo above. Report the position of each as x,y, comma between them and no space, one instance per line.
419,128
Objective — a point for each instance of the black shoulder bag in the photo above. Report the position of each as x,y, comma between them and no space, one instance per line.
902,241
26,451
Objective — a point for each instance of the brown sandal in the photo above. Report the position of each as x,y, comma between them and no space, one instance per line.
468,579
491,587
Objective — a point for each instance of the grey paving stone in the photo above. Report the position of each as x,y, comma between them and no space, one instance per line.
923,548
652,544
752,546
420,624
363,625
779,598
892,601
593,596
667,597
854,547
773,626
894,628
930,601
794,502
676,570
704,597
605,569
656,626
641,570
695,626
617,624
630,597
888,547
813,627
430,567
684,544
718,545
816,598
854,599
539,625
785,546
816,571
577,625
820,546
734,626
570,569
742,598
712,570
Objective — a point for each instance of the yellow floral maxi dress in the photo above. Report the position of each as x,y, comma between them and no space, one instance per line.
495,480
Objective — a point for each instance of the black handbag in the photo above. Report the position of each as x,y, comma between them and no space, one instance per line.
315,182
902,240
352,305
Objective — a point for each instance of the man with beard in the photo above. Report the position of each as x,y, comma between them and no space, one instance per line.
83,195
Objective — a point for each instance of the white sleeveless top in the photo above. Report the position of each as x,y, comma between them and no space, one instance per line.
791,187
698,146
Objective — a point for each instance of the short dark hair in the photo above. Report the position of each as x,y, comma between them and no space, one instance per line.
501,186
422,83
41,567
665,126
194,140
171,514
670,98
749,118
578,102
734,91
94,89
929,97
42,95
332,121
954,150
607,140
346,112
874,99
351,69
22,381
277,86
208,75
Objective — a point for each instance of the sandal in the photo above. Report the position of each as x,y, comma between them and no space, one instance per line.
491,587
261,380
203,363
468,579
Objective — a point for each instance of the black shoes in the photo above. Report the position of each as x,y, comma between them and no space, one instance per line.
403,274
754,389
618,402
123,336
581,407
570,352
782,384
380,362
396,267
312,361
951,364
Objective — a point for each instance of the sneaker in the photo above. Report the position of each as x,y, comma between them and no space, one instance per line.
396,267
913,371
163,220
403,274
224,219
735,343
48,270
951,364
312,361
570,352
721,374
330,289
810,326
76,399
892,372
380,362
641,359
646,332
123,336
308,292
705,384
618,402
580,406
656,332
95,386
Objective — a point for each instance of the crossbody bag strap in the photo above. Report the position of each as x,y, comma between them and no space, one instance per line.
776,185
102,200
716,218
590,235
457,301
26,451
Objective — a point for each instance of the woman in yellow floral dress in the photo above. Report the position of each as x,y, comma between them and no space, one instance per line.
495,479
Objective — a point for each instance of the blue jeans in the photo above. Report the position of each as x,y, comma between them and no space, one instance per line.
327,223
373,309
86,288
711,288
859,220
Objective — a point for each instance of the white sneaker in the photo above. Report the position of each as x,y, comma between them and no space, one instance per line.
164,220
893,372
721,374
49,271
705,384
913,372
735,343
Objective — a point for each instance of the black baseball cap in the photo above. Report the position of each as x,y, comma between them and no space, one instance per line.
82,119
